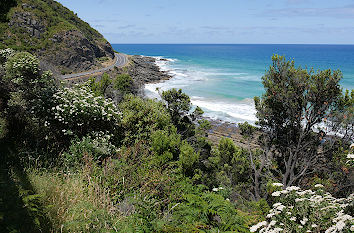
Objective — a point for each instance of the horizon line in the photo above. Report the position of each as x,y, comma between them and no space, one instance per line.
223,44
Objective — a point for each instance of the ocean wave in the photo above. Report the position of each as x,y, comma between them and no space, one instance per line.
186,76
235,112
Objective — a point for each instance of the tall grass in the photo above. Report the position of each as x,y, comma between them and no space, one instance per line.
74,202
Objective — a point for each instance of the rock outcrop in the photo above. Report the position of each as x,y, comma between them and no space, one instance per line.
63,42
144,70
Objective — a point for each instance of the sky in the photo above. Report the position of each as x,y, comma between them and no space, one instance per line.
219,21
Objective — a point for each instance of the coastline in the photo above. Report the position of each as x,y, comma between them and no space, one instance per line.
144,65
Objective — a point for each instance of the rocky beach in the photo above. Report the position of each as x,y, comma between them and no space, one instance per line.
144,70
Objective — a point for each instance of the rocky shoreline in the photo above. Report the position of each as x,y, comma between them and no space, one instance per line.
144,70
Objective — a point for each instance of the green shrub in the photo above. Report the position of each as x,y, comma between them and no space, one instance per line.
165,145
141,117
77,111
188,158
100,87
205,211
123,83
299,210
96,146
21,67
230,164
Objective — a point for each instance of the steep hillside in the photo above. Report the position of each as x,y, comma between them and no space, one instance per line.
63,42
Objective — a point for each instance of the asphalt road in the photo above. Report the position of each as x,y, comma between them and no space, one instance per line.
121,60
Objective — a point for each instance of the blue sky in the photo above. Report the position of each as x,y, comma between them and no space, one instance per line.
220,21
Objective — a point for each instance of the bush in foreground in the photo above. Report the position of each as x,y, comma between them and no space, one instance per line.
299,210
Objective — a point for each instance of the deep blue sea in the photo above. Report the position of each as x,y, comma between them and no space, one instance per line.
223,79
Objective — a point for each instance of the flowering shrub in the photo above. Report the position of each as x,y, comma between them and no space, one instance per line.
307,211
6,54
22,65
97,145
77,111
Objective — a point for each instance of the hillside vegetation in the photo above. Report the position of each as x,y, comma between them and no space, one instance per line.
97,157
75,161
61,40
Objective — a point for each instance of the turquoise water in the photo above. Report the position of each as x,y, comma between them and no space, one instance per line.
223,79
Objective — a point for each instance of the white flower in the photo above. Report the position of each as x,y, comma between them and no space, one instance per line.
293,219
270,215
352,228
277,184
314,225
350,156
277,204
277,229
284,191
319,186
215,189
254,228
272,223
276,194
292,188
304,221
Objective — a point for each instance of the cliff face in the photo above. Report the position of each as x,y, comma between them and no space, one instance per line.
63,42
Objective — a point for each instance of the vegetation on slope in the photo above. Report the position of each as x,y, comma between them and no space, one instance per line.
53,32
91,164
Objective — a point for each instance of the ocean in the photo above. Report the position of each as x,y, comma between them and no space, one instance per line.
223,79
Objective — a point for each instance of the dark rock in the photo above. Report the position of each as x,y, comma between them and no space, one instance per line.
28,23
144,70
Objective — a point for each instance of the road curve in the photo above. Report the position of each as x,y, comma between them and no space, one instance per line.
120,61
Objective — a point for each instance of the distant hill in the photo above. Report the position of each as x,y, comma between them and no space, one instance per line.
63,42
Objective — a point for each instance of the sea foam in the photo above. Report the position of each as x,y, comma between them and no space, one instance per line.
187,76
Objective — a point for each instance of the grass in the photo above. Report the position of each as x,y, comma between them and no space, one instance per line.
75,202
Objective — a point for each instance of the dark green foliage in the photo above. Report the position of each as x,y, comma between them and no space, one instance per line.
165,145
100,87
230,164
342,118
178,104
5,6
188,158
97,146
206,212
142,117
246,129
25,98
123,83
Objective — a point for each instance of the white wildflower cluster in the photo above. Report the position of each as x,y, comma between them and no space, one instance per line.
6,53
23,64
307,211
217,189
97,145
78,109
101,143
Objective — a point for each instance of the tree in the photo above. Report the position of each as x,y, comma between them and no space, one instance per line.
177,103
25,91
295,102
123,83
100,87
179,106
